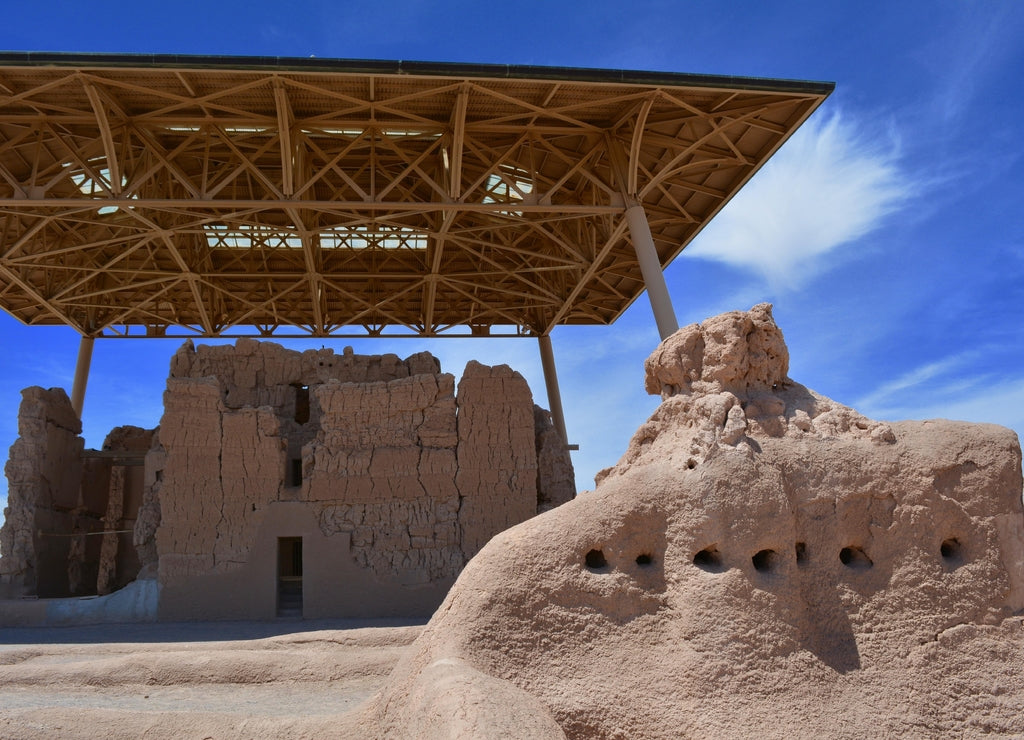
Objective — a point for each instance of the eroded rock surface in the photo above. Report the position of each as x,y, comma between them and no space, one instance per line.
70,510
282,483
43,474
379,463
762,562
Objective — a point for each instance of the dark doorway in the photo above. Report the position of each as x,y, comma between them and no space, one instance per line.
295,472
289,576
301,404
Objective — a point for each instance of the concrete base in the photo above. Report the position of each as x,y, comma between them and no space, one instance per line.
136,602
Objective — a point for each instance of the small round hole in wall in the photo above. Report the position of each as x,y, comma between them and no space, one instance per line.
854,557
644,560
708,559
595,560
952,551
801,553
691,464
764,561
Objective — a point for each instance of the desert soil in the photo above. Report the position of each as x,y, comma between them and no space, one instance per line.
194,680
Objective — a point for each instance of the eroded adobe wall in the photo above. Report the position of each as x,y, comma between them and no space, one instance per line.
373,460
556,479
114,484
252,373
216,471
760,557
382,470
497,457
44,474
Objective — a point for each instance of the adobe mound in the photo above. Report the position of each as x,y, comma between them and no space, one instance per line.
762,562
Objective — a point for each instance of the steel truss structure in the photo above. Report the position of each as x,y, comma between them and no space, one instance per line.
194,196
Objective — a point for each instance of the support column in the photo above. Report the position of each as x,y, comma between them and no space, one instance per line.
547,361
650,267
81,375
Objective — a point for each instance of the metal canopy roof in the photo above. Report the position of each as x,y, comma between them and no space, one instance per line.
213,196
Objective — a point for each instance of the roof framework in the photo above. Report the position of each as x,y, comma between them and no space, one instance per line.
158,196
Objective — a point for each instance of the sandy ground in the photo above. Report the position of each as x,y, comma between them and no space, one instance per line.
195,680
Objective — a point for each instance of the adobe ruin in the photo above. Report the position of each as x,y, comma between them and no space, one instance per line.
762,560
282,483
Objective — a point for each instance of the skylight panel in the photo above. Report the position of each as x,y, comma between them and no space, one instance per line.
508,184
373,237
99,187
249,236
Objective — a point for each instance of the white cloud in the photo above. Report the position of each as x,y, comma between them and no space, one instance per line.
888,392
1000,403
957,387
828,186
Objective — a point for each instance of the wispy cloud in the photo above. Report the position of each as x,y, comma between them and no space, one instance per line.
892,392
957,387
828,186
999,403
973,46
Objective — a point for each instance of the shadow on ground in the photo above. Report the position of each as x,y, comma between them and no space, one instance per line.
169,632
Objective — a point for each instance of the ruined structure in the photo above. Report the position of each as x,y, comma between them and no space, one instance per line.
68,526
282,483
762,561
469,209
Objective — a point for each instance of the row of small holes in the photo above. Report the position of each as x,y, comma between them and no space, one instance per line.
595,560
765,561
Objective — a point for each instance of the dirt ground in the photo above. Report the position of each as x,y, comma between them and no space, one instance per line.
289,679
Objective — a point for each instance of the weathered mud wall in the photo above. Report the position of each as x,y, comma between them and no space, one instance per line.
252,373
62,500
497,458
113,481
556,479
374,460
388,479
217,467
762,560
44,475
382,469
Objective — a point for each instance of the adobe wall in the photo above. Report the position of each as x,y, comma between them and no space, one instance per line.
382,471
61,500
253,373
497,457
44,475
338,586
115,484
391,475
762,561
392,479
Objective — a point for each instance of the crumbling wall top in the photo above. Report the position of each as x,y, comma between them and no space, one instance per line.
249,362
741,352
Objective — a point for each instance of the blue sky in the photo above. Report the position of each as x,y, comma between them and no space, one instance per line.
888,232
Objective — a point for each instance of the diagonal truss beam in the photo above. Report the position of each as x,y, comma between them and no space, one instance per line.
211,196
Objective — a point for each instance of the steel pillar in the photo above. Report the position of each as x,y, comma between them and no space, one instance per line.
547,361
81,375
650,268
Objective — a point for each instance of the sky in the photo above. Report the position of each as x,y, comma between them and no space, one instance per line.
887,232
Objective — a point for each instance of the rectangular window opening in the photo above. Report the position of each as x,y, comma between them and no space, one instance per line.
295,472
301,406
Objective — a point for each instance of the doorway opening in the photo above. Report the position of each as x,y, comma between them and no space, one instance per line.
295,472
301,403
289,576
